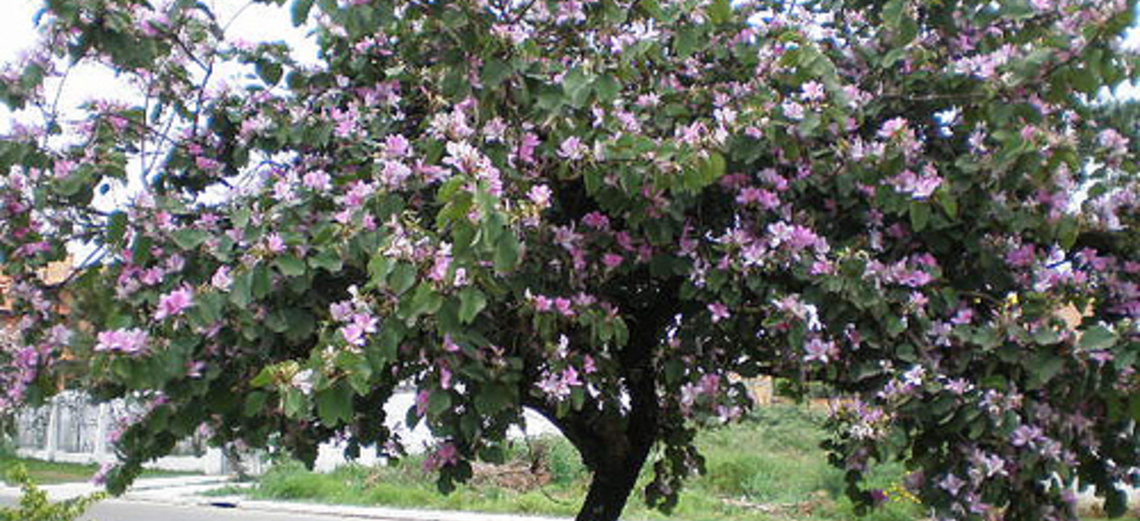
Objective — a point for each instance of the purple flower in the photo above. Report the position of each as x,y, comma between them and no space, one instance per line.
318,181
812,91
572,149
719,311
1021,257
422,398
125,341
919,187
358,329
221,279
893,127
540,196
303,381
819,351
951,484
396,145
1025,435
793,110
445,456
275,243
174,303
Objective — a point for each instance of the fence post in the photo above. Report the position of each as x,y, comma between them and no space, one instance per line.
52,443
100,442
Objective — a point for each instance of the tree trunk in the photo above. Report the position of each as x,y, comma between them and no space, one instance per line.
610,488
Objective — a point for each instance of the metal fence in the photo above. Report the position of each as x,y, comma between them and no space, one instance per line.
73,428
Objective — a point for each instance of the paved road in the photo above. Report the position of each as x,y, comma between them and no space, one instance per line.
131,511
116,510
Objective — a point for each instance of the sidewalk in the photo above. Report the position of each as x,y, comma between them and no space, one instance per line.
188,490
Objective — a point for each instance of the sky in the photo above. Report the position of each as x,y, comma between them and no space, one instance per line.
247,21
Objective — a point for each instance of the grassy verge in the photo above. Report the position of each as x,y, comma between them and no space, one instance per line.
50,472
769,467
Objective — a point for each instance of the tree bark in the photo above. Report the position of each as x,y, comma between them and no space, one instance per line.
610,488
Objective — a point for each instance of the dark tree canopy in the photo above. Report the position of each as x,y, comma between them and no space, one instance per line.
606,211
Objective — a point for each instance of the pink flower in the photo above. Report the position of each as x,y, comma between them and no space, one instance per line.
221,279
445,456
612,260
919,187
572,149
540,196
125,341
318,181
174,303
563,305
275,243
396,145
951,484
812,91
764,198
570,376
893,127
529,142
422,398
793,110
596,220
357,331
819,351
719,311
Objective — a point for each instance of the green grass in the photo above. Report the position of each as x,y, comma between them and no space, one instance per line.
47,472
769,467
50,472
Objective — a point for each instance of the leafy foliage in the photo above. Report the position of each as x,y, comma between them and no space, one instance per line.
605,211
35,505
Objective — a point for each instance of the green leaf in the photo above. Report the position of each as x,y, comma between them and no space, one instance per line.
189,238
438,403
892,13
688,40
291,266
720,12
495,71
327,260
471,302
300,11
1046,366
255,402
269,72
494,398
576,86
240,217
117,227
1097,337
261,282
607,87
402,278
334,405
919,215
506,253
240,289
424,301
264,378
948,202
1068,230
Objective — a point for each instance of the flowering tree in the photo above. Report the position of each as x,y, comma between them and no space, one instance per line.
603,210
